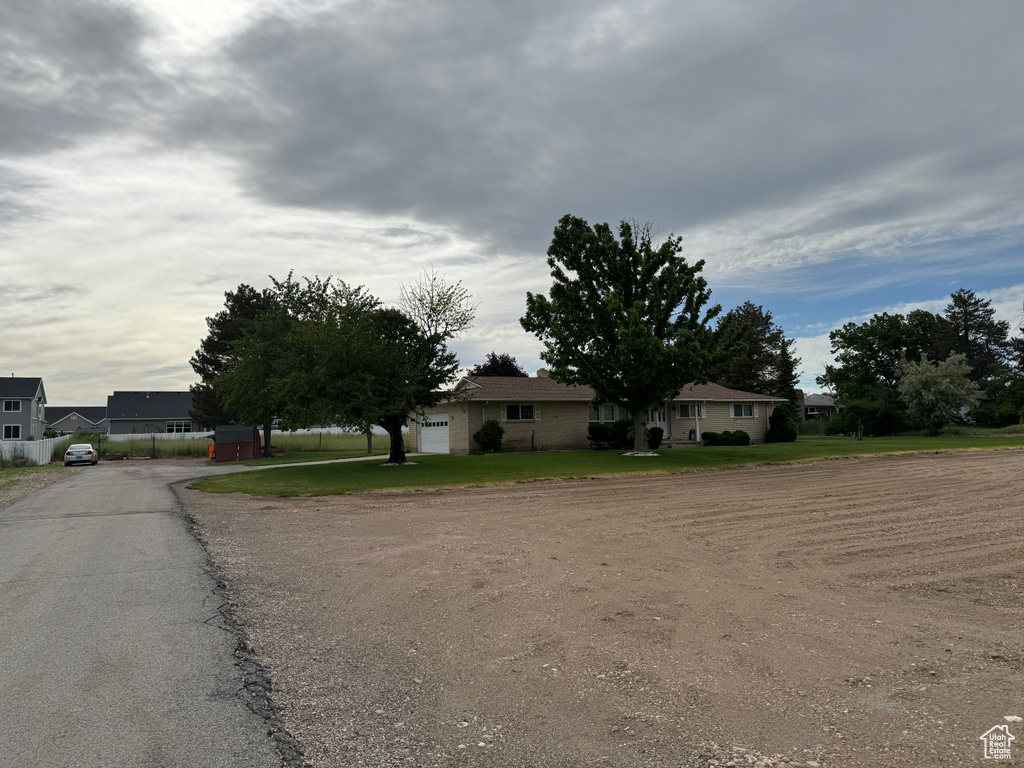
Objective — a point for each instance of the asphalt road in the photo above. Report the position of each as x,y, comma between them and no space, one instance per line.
112,648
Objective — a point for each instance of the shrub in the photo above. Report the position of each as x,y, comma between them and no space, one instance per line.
622,436
782,426
654,437
711,438
600,436
739,437
488,437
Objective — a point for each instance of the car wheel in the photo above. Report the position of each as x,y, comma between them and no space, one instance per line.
65,463
94,463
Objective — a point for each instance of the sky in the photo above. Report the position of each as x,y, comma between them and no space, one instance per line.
827,161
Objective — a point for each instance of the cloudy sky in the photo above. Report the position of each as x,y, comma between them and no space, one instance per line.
827,160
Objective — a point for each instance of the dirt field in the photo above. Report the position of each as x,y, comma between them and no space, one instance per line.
848,613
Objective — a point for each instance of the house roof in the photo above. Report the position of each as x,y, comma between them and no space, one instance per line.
541,388
149,405
91,413
20,387
819,400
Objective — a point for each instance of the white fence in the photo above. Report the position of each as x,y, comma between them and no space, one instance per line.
158,436
37,450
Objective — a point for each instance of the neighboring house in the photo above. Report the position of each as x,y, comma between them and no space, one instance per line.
76,418
149,412
541,414
22,408
819,407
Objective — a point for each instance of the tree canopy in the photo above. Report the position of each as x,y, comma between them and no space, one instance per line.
871,357
624,316
498,365
242,307
331,353
977,335
753,354
935,394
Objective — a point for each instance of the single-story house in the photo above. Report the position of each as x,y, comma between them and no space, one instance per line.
22,408
819,407
542,414
149,412
76,418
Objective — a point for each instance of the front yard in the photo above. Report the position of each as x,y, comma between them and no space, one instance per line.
438,471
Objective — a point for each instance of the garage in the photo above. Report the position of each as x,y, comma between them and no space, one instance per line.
433,433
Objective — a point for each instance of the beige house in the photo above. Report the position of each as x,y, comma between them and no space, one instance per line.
541,414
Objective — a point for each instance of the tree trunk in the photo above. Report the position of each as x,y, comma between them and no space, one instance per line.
267,429
639,427
369,442
394,430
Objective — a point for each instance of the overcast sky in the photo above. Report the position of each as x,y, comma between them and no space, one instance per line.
827,160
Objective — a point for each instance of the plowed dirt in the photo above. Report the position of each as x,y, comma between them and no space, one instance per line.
862,613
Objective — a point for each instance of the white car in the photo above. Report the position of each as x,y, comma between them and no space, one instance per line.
83,453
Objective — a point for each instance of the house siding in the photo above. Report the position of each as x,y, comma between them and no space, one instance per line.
720,419
142,426
30,418
561,427
562,424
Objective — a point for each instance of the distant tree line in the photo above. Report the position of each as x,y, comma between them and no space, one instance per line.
920,370
627,316
323,352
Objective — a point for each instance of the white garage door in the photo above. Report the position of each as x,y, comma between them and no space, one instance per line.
433,433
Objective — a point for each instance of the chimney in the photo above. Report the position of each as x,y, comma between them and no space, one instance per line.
542,373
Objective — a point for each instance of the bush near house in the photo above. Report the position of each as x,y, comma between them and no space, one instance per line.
782,426
618,435
488,437
654,437
739,437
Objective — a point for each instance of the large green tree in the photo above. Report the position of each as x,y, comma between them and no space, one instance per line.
624,316
242,307
935,393
754,354
330,353
869,359
978,335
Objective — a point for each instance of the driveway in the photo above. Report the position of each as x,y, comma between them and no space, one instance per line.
113,650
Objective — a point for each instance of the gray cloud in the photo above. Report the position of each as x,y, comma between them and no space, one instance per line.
497,118
69,70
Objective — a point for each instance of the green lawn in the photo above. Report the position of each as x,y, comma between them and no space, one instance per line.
11,475
446,471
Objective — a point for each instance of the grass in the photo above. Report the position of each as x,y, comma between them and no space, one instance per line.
10,475
429,472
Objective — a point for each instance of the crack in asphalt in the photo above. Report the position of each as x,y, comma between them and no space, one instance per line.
257,686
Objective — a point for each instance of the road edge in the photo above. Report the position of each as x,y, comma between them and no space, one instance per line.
257,685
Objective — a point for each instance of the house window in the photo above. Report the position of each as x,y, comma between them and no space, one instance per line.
745,409
12,406
12,431
519,412
692,411
603,412
609,412
179,426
